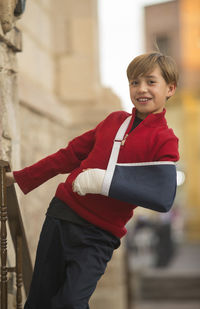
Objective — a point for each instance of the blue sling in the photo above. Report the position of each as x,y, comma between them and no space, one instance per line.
151,185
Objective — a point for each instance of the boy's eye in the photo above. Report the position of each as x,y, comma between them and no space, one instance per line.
134,82
151,82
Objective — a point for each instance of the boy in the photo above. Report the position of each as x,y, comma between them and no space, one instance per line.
83,226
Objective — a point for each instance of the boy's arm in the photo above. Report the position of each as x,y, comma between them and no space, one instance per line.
139,183
166,148
151,185
63,161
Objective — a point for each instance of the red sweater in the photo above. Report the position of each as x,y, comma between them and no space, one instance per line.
151,140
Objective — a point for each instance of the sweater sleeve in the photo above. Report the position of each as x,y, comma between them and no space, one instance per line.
63,161
166,148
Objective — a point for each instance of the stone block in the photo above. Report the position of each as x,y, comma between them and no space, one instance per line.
37,23
83,33
12,39
62,39
80,8
8,62
76,78
6,14
74,27
43,102
45,4
36,62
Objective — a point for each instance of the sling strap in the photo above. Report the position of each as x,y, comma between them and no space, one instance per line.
114,156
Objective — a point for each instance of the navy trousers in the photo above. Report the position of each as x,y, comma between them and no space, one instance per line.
70,260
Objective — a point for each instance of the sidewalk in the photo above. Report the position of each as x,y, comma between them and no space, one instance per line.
168,305
186,260
186,263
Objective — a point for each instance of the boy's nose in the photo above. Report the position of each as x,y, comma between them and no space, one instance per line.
142,88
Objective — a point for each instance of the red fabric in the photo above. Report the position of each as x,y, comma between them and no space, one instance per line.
150,141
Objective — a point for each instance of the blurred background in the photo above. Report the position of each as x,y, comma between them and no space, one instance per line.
63,69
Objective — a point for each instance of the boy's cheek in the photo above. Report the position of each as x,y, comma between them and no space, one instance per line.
131,96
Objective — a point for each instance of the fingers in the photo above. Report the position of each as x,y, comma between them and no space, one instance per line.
89,181
77,188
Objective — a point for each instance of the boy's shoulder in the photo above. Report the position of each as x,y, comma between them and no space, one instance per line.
119,112
118,115
113,119
166,133
160,126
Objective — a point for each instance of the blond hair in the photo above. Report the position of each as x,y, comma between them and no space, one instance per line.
145,63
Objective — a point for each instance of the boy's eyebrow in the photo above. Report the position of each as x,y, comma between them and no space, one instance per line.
150,76
147,76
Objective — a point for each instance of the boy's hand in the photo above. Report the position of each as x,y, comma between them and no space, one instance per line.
89,181
10,180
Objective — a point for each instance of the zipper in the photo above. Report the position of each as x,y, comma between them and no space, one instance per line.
132,132
124,139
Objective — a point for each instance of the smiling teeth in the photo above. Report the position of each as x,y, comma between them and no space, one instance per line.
143,100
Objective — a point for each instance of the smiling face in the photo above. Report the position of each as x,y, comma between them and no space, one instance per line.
149,93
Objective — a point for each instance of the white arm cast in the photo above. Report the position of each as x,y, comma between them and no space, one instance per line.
89,181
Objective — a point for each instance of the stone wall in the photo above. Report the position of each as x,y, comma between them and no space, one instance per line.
56,97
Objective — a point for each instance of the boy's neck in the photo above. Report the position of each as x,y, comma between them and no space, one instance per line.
143,116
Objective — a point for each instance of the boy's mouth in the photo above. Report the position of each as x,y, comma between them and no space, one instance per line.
143,99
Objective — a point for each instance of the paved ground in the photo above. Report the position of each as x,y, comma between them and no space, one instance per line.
168,305
186,261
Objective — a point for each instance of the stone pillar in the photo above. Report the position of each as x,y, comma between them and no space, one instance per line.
7,8
10,44
76,50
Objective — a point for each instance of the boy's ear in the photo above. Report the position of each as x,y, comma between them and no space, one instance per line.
171,90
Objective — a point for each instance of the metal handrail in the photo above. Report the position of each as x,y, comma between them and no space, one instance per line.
10,212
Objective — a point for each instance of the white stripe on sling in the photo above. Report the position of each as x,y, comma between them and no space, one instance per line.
114,156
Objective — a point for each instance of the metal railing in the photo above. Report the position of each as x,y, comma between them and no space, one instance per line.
10,212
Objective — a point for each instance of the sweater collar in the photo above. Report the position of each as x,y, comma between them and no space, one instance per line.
153,120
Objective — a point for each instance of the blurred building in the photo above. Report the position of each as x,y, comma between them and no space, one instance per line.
48,95
174,27
165,253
